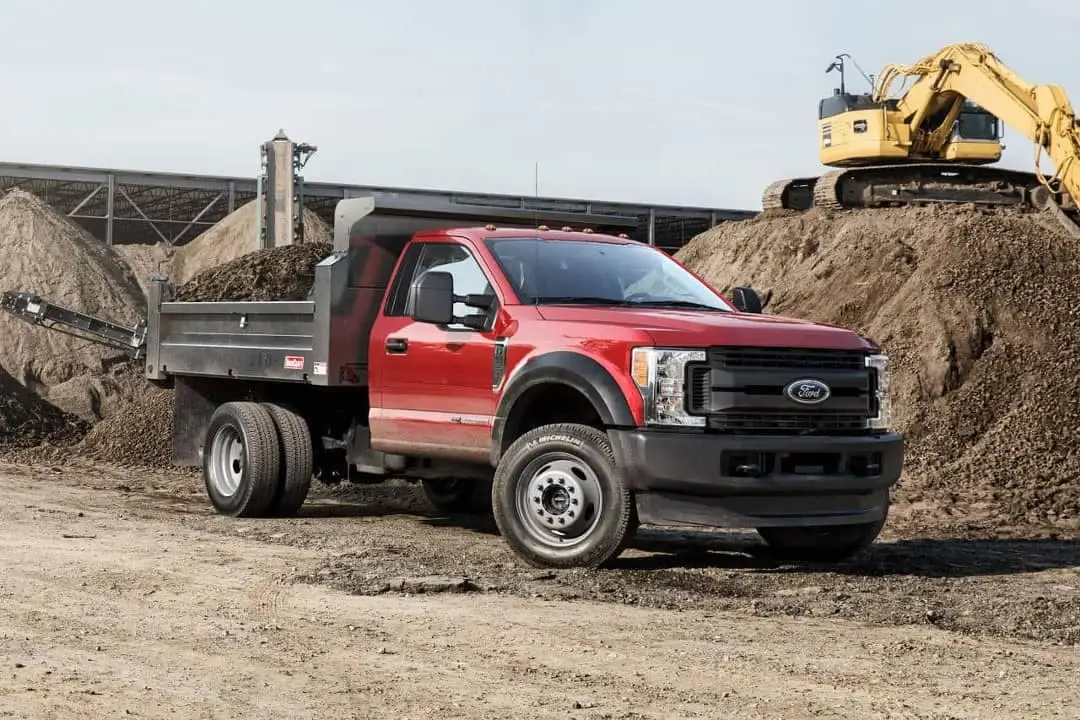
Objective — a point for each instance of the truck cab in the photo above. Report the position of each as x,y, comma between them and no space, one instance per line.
606,385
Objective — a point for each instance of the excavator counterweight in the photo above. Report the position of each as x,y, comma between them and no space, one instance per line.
936,142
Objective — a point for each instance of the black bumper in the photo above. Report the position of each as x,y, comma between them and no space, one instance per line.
758,481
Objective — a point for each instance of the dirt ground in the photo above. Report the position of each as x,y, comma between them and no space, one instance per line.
122,594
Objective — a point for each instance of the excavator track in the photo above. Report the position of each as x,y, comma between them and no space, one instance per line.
789,194
924,184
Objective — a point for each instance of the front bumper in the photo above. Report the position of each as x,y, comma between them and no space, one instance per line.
758,481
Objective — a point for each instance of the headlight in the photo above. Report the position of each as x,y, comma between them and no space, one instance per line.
880,365
660,374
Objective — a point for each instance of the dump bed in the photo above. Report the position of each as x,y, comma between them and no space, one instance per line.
256,340
322,340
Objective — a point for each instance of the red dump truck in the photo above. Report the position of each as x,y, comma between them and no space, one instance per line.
576,384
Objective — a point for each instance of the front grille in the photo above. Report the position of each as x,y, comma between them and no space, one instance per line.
786,422
741,390
767,358
698,388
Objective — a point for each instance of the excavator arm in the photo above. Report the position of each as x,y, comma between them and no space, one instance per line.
1042,113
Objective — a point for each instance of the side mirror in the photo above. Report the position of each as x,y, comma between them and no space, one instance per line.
431,298
746,299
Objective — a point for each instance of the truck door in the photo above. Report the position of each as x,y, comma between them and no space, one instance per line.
435,396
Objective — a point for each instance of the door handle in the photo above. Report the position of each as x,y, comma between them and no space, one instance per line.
396,345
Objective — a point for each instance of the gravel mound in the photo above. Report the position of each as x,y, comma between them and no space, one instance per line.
42,251
146,261
138,434
232,238
980,313
284,273
27,420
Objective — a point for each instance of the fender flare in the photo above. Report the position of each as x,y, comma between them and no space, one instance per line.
564,367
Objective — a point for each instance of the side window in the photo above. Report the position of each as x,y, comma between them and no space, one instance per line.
398,296
468,276
455,259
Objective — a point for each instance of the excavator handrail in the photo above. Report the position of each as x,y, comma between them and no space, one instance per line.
971,71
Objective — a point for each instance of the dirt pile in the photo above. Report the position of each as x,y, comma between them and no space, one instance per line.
146,261
285,273
232,238
137,434
980,314
42,251
27,420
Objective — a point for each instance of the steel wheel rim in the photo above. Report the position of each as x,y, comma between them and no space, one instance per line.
559,500
227,461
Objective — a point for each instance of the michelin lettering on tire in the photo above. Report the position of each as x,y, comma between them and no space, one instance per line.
596,510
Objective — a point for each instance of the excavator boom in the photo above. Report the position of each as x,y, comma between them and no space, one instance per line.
914,148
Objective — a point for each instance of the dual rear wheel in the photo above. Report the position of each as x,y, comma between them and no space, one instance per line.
257,460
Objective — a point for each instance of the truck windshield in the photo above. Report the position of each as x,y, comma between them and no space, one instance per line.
568,272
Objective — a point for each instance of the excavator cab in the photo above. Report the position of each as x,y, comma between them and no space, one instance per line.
975,139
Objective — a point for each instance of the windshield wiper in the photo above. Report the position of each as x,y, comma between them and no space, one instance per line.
576,300
675,304
615,302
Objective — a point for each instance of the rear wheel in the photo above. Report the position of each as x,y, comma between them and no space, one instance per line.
458,495
828,543
241,459
297,463
559,500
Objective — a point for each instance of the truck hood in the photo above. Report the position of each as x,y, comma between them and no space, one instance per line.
690,328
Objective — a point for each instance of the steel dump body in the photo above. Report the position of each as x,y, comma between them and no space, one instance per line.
324,340
245,340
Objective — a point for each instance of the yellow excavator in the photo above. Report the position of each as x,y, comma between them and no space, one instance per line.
935,141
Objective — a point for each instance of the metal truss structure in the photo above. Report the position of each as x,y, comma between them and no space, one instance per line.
130,206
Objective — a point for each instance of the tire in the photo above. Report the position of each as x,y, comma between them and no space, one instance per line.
828,543
297,461
587,491
241,460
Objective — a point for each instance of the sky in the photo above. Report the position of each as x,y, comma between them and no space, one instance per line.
683,102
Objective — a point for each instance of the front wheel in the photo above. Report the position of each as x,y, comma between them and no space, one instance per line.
559,500
828,543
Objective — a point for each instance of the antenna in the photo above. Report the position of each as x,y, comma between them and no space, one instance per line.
838,65
536,195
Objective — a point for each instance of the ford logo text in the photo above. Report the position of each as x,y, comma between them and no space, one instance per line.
808,392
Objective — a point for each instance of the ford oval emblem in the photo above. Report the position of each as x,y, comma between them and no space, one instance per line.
807,391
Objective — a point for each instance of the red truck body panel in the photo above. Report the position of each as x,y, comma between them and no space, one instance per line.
438,397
